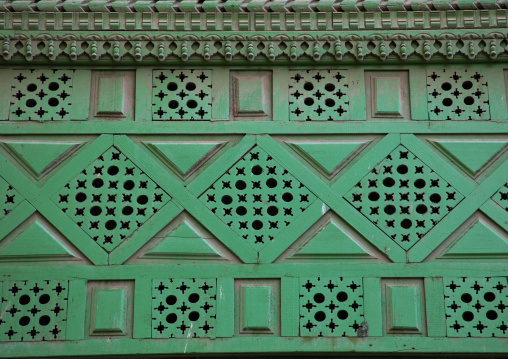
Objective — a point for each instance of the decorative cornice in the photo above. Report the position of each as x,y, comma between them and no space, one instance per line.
255,48
246,6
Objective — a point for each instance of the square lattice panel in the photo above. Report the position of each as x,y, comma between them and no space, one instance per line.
184,308
331,307
476,307
34,310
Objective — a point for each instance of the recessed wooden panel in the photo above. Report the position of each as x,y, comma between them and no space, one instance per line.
387,94
113,95
251,95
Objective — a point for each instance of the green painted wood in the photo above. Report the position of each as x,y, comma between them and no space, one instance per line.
434,307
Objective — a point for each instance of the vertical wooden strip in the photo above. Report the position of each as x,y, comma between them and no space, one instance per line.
143,106
434,306
280,94
497,93
76,310
418,94
357,102
225,305
5,99
142,318
220,94
81,95
372,305
290,316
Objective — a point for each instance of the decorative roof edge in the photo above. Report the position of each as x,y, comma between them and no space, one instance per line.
247,6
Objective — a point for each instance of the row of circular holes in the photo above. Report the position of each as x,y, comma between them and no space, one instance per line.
469,316
341,314
309,101
44,319
53,101
466,85
190,86
172,317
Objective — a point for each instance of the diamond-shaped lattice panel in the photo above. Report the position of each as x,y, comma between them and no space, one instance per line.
41,95
34,310
318,95
476,307
182,95
257,198
457,95
331,307
184,308
501,197
111,198
403,197
9,198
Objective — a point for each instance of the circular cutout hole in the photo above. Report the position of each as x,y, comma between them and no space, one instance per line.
191,86
308,86
342,296
272,210
446,86
193,316
80,197
489,296
257,170
127,210
113,170
241,211
421,209
390,209
23,321
329,102
97,183
128,185
172,86
95,211
373,196
468,316
257,225
469,100
309,101
388,182
53,86
271,183
24,299
171,299
402,169
319,298
447,102
44,299
466,298
287,197
406,223
173,104
492,315
320,316
342,314
142,199
435,198
44,320
192,104
467,85
241,185
30,102
194,297
226,199
31,87
110,225
53,102
329,87
420,183
171,318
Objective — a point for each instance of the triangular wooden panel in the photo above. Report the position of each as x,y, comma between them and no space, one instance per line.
328,156
40,157
479,240
185,157
182,240
34,241
471,156
331,239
